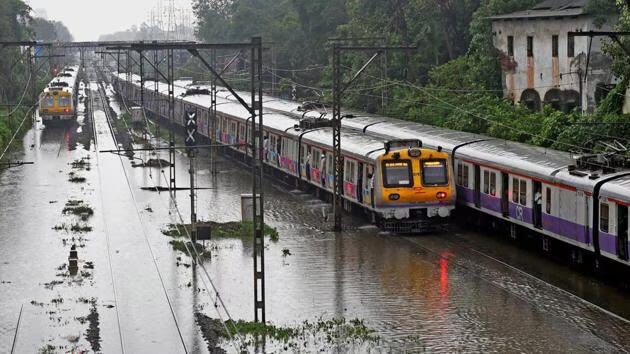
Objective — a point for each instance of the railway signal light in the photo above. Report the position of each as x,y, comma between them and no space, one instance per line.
190,131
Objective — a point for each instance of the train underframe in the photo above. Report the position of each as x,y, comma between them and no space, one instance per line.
583,259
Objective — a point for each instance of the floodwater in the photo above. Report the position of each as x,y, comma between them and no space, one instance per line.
459,291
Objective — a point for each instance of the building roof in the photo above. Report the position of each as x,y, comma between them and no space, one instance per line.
548,8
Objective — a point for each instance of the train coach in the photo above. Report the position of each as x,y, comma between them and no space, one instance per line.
564,199
58,101
403,186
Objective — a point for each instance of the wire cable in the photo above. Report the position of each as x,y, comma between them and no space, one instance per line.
142,226
195,254
107,240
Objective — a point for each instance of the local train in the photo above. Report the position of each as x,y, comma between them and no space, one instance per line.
577,201
403,186
58,101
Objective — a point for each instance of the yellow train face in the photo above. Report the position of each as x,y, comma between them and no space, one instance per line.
56,103
416,178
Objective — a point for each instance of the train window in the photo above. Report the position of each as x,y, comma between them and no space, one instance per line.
64,101
514,190
603,217
316,158
49,101
397,173
330,162
486,182
434,173
493,183
523,193
460,172
548,200
465,176
349,172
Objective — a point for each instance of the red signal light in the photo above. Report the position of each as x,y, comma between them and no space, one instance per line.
440,195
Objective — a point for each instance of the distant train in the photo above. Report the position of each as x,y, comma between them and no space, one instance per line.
58,101
577,201
402,186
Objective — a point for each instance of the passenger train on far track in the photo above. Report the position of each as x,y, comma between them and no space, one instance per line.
584,204
58,102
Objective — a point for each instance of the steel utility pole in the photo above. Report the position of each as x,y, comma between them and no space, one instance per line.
258,176
338,90
255,110
191,143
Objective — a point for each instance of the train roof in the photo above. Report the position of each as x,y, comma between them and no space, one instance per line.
618,188
516,157
352,142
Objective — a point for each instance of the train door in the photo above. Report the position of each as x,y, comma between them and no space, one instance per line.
505,182
622,234
582,216
477,186
537,204
359,186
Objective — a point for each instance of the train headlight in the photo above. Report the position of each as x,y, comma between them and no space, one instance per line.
440,195
414,152
394,196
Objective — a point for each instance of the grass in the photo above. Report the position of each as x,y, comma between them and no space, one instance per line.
180,246
258,328
47,349
77,209
74,178
231,229
76,227
323,333
81,164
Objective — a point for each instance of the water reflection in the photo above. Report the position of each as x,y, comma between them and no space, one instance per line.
422,293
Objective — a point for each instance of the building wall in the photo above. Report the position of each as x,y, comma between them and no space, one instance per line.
545,75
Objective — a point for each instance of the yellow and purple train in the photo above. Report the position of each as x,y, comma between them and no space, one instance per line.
57,103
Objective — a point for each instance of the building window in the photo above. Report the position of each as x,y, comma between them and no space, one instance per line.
530,46
510,43
571,46
554,46
603,217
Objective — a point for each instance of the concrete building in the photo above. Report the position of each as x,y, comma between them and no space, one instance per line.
541,64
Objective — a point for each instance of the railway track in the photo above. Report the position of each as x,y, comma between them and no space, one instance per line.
541,294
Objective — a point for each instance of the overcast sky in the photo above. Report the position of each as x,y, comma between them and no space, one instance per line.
88,19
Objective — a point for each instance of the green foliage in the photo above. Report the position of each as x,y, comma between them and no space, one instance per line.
601,10
453,80
233,229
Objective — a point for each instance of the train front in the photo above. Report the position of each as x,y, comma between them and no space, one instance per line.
56,105
415,189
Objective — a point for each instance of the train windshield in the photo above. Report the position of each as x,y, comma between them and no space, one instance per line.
434,173
397,174
48,101
64,101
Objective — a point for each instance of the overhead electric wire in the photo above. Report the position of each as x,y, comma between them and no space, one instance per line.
19,104
107,240
196,255
142,226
